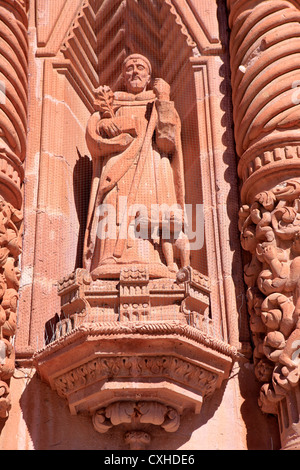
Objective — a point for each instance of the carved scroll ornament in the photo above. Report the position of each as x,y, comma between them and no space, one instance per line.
147,412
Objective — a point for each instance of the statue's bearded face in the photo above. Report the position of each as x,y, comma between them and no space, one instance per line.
136,75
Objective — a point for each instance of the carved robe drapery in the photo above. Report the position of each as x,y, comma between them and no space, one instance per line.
142,166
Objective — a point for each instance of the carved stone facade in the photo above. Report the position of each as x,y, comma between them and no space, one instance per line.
149,224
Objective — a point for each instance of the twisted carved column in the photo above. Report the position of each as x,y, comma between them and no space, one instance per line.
265,58
13,131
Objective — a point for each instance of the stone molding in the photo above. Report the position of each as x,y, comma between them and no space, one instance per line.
146,366
103,365
155,329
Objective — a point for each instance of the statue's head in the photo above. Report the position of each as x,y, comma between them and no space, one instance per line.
136,73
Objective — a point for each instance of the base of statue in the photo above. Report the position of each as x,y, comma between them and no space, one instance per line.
135,295
113,270
135,352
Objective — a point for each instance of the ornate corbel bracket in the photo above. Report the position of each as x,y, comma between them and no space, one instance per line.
135,374
137,414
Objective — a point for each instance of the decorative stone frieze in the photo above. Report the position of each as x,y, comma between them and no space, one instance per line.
265,68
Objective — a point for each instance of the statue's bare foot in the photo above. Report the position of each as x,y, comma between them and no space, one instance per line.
173,268
95,274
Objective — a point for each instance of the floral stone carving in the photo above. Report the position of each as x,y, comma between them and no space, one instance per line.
270,233
10,249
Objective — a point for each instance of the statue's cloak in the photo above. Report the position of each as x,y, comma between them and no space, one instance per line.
114,157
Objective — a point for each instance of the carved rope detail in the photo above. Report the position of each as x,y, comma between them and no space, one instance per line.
141,328
149,366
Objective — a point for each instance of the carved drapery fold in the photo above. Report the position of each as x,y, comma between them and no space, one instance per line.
13,132
264,48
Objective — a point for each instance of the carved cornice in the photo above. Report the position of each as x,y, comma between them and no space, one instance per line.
109,372
106,367
155,329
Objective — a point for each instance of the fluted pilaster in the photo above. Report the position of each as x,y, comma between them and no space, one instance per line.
264,49
13,133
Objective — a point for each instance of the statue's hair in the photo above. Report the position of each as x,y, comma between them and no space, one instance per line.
138,56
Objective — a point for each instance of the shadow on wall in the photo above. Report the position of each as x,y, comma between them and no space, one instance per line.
262,429
82,177
230,159
51,426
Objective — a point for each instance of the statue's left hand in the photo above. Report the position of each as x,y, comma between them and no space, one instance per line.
161,89
108,128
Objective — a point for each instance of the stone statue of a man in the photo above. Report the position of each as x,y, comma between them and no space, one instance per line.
135,142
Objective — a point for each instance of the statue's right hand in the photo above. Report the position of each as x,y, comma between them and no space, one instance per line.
107,128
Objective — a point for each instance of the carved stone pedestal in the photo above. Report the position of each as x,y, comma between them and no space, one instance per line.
134,352
134,297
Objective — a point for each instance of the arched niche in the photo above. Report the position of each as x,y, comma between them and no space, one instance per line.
97,38
192,60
